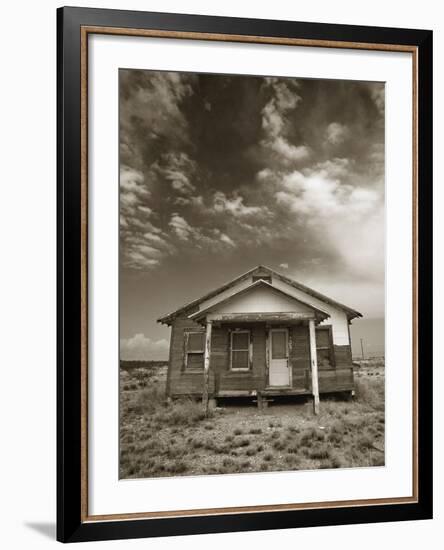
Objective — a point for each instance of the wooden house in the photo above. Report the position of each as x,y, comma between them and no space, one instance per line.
261,334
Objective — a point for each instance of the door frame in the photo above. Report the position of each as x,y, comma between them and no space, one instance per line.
270,357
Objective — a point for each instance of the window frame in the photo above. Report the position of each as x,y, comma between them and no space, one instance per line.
186,352
249,350
330,347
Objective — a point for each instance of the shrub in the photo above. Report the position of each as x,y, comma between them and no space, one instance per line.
335,438
292,460
337,427
149,400
311,435
255,431
320,453
275,424
336,462
238,431
293,429
221,449
182,413
279,444
364,442
371,393
378,460
178,467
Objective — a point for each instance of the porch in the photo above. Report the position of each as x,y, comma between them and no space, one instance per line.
267,354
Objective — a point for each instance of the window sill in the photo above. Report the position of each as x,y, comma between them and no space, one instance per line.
192,371
246,372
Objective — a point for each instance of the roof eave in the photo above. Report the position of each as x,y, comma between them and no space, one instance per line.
351,313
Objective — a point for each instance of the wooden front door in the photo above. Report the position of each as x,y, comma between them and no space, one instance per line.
279,368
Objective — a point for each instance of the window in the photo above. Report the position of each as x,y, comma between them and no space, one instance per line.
324,347
240,350
194,350
279,348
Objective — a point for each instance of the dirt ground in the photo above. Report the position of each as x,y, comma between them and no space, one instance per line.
159,439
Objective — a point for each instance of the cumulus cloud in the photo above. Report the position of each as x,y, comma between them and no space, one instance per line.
315,193
343,215
196,201
335,167
145,210
150,110
212,239
235,205
137,252
284,98
288,151
181,227
336,133
226,239
132,182
178,169
283,266
141,348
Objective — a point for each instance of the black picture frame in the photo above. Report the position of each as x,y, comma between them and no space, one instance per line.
71,523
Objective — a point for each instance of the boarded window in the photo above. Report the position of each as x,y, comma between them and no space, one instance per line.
194,350
240,350
324,347
279,344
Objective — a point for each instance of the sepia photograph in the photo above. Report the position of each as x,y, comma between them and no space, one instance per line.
251,274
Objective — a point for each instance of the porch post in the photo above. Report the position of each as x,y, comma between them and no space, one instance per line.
206,367
314,366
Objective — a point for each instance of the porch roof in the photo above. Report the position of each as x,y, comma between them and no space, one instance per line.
267,317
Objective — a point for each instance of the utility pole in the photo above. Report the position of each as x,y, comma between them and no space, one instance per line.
362,349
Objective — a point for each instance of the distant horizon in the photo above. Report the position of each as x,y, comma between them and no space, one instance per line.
371,330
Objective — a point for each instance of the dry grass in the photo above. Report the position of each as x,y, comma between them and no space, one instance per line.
160,439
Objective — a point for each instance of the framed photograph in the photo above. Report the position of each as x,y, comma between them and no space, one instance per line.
244,274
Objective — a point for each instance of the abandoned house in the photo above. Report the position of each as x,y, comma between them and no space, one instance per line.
262,335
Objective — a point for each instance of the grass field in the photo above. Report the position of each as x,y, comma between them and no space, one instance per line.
159,439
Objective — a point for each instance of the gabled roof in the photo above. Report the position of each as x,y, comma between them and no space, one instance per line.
201,312
260,270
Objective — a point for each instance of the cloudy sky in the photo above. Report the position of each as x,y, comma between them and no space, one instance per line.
221,173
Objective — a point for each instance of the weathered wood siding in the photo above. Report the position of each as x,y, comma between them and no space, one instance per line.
340,376
227,380
181,381
299,356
